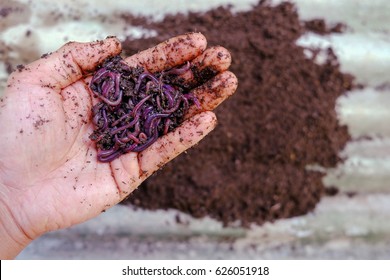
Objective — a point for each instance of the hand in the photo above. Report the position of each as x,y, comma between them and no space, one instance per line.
49,175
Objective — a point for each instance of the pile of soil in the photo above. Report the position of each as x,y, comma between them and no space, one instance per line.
253,167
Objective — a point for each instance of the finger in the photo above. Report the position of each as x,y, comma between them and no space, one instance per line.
133,168
173,52
167,148
71,62
213,92
212,61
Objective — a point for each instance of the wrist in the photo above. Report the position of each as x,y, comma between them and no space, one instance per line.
13,239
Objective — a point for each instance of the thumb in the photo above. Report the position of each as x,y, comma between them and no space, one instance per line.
71,62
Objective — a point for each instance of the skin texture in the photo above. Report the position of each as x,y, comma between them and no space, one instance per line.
49,175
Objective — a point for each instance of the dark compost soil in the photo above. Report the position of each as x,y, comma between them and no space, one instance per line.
253,167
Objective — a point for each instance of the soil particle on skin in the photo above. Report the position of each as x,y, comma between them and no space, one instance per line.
45,55
40,122
252,168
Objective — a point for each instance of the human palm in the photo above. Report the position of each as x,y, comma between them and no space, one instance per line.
50,177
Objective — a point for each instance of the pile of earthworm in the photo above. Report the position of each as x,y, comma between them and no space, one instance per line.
135,107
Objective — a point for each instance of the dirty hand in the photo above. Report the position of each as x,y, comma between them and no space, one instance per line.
49,175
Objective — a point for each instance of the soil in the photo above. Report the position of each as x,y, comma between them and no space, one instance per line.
282,119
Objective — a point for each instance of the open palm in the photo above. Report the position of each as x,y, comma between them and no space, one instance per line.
49,174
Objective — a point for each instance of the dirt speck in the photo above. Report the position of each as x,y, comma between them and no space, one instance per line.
39,122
